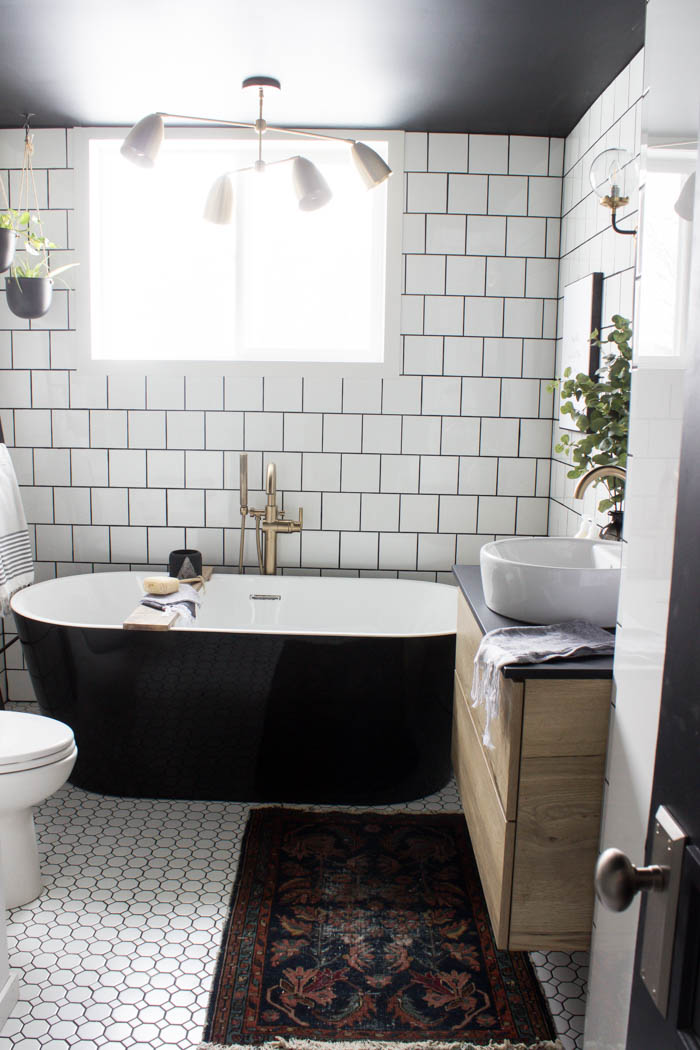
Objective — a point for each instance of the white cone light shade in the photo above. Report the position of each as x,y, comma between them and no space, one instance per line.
685,205
219,206
143,142
370,165
311,188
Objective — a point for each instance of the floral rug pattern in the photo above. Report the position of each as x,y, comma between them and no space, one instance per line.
366,926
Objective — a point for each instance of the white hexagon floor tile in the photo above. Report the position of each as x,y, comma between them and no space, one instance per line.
120,949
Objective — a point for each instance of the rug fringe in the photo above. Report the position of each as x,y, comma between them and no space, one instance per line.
367,1044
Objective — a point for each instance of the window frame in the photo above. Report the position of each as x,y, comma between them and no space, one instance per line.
81,307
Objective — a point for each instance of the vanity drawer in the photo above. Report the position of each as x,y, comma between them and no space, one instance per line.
504,758
492,836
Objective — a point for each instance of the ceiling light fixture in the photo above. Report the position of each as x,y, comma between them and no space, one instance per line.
142,144
608,174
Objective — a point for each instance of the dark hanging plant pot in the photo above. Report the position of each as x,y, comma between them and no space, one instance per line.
8,242
29,297
613,531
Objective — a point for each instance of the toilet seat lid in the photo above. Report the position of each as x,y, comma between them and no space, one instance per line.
30,738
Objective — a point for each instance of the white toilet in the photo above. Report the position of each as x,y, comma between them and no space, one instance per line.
37,755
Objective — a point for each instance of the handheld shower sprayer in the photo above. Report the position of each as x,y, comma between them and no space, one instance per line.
243,468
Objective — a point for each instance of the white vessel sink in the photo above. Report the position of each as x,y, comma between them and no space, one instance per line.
552,579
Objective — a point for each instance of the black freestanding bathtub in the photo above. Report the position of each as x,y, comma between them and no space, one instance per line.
291,689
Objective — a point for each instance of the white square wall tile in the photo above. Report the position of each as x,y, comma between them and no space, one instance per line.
204,469
223,430
483,315
496,514
401,395
542,278
263,431
556,156
421,435
488,154
87,391
463,355
108,428
425,273
320,549
31,349
520,397
529,155
147,507
399,473
380,511
523,318
50,389
457,514
467,194
441,395
481,397
209,541
243,393
535,437
460,436
204,391
426,193
185,429
505,276
289,465
90,543
447,152
71,428
303,431
465,275
446,234
398,550
499,437
381,434
439,473
444,315
282,394
411,314
110,507
532,516
477,475
516,477
414,232
146,429
340,510
33,427
342,433
88,466
360,473
359,550
507,195
128,545
486,235
166,469
127,467
52,466
72,506
323,394
163,540
422,355
185,507
436,552
321,471
164,391
39,504
419,513
15,389
362,395
545,196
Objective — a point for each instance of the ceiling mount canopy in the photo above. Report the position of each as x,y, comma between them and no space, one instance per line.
142,144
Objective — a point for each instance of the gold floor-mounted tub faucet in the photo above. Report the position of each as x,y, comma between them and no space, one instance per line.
268,522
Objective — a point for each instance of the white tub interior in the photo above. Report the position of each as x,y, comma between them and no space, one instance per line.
306,605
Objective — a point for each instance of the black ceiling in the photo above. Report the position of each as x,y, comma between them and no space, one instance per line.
524,66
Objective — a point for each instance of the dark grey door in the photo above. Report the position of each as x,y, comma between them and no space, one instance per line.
677,770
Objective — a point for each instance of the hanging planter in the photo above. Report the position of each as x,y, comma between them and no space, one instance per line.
8,243
29,288
29,297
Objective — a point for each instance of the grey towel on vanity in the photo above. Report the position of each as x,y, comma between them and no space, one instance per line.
530,645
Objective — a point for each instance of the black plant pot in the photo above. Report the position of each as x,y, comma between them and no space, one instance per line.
29,297
8,241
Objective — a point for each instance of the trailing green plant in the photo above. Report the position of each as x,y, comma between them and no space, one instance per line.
36,245
604,421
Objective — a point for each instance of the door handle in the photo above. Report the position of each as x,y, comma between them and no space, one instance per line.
618,881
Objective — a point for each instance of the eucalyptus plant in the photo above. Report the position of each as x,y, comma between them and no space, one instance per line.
604,421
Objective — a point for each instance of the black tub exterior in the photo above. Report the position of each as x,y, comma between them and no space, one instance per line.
234,716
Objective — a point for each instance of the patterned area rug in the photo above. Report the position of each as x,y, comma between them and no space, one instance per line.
364,927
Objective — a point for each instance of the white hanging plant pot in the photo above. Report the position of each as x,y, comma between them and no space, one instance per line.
29,297
8,243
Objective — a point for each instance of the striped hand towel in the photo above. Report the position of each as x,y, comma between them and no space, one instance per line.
16,564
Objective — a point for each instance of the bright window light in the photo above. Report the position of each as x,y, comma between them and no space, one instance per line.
277,285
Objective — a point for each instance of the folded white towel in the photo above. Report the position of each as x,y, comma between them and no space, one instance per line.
530,645
16,563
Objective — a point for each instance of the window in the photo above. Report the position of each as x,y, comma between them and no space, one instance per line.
160,287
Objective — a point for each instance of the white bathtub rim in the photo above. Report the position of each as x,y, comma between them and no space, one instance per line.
260,583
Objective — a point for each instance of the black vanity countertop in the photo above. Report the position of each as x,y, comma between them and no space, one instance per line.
469,580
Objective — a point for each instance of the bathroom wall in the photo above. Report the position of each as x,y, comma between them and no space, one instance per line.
589,245
404,476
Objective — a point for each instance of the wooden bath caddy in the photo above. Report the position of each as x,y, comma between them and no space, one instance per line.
145,619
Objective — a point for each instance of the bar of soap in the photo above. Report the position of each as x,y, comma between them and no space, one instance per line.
160,585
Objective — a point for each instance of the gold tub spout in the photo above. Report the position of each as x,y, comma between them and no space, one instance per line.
597,474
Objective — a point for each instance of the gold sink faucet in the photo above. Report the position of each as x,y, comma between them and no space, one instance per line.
269,521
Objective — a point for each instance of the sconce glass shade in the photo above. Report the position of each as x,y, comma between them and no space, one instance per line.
685,205
370,165
143,142
608,173
311,188
219,204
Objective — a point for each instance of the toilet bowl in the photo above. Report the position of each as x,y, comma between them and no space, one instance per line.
37,755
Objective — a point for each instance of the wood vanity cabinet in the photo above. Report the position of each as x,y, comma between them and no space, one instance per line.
533,802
